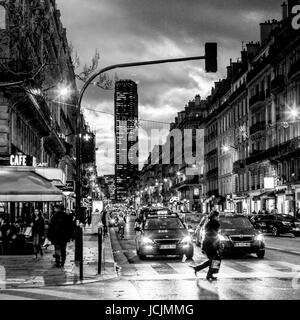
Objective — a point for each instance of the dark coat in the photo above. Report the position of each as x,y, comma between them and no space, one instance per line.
60,228
211,241
38,227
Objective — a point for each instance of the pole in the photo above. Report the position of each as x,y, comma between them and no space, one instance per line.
78,131
100,240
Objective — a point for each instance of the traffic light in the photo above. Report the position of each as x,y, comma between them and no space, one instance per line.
211,64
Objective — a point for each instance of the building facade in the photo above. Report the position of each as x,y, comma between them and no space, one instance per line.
126,120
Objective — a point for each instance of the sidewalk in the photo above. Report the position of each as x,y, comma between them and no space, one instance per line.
27,272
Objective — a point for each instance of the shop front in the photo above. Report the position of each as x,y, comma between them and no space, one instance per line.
23,190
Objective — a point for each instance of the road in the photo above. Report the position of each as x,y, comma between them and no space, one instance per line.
246,278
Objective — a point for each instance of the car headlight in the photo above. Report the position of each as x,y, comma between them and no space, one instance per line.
146,240
222,238
260,237
186,239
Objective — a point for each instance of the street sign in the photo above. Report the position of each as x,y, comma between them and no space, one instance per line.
69,186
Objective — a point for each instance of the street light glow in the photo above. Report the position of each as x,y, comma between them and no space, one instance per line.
64,91
225,148
293,112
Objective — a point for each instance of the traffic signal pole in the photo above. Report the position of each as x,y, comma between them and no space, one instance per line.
210,58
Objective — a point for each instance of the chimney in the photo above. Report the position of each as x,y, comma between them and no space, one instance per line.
244,56
197,100
265,30
284,11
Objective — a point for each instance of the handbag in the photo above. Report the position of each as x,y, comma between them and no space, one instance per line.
47,243
215,265
28,232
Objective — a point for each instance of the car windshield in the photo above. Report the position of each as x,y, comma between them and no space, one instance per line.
163,223
235,223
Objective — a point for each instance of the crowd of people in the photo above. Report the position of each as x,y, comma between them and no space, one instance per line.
34,229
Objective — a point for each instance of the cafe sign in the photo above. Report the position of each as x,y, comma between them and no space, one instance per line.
21,160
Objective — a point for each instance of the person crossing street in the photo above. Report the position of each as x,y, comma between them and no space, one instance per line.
211,247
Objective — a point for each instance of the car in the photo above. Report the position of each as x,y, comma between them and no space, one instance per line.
163,235
238,235
154,211
277,224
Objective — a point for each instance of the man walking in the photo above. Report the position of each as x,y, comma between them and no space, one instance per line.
60,233
211,246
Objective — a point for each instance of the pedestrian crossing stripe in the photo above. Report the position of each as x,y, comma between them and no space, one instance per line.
270,269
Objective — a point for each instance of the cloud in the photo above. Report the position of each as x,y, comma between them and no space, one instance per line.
134,30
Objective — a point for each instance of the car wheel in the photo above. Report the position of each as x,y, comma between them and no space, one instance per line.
261,254
142,256
275,232
297,234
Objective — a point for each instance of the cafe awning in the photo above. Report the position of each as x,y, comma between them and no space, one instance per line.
26,186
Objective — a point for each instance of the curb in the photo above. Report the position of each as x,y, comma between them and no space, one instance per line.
109,272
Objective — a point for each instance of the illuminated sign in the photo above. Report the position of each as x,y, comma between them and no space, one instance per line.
21,160
269,183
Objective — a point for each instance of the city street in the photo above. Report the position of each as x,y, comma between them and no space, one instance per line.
170,278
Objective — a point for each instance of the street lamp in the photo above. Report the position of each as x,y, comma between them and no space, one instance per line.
210,58
226,148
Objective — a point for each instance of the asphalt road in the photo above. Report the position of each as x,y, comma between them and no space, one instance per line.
277,276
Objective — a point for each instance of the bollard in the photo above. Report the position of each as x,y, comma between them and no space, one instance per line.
81,254
100,238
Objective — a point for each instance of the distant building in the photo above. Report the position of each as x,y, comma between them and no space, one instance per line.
126,117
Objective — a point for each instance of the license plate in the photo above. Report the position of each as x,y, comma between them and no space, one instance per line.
168,246
242,244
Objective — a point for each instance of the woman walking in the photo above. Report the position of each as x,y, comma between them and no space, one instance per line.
210,246
38,231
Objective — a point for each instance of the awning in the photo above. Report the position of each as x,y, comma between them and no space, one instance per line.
267,194
26,186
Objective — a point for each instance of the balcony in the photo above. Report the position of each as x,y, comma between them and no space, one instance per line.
238,165
212,153
237,92
294,70
190,181
257,67
278,84
257,155
259,126
212,172
259,97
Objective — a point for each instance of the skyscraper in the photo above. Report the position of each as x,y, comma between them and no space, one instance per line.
126,117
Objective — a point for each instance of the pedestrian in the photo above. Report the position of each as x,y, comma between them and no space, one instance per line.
60,233
38,232
211,246
5,231
104,221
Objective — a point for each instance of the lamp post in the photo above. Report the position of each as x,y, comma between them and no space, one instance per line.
210,58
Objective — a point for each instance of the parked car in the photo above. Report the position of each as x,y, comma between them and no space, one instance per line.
237,235
277,224
163,235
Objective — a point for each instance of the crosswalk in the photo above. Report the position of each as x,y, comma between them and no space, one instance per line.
229,269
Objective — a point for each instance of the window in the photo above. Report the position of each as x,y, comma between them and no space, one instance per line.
2,17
